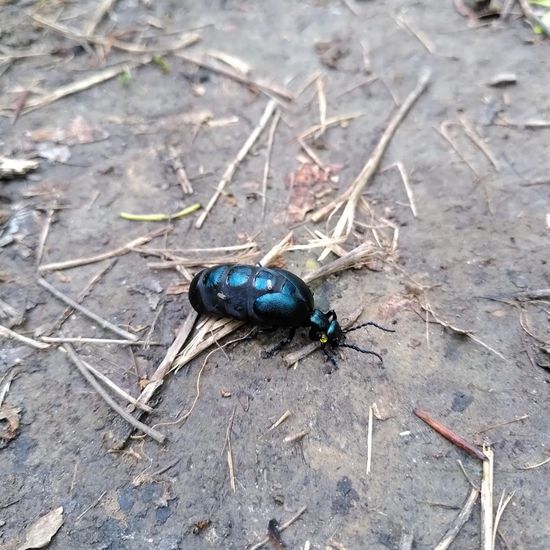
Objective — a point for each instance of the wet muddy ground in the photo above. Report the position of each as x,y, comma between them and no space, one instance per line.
481,230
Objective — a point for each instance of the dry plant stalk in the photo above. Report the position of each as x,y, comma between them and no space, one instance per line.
369,439
266,87
232,167
8,333
270,139
278,422
487,501
354,192
230,452
154,434
68,264
85,311
459,521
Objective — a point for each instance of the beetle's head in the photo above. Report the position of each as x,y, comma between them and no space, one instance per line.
326,329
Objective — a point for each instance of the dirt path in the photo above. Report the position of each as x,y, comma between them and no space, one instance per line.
475,250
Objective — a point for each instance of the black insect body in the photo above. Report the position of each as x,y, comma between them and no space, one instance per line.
269,297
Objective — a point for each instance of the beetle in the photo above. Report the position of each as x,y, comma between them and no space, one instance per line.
269,297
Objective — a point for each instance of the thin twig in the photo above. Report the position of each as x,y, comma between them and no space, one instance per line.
85,311
68,264
533,466
282,527
487,501
116,389
459,521
100,12
90,507
230,452
111,42
369,439
448,434
100,341
500,510
270,139
329,122
268,88
8,333
419,35
232,168
157,379
406,184
44,236
281,419
156,435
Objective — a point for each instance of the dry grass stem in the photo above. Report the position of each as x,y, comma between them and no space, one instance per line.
157,379
311,154
230,452
477,140
100,12
322,99
282,527
90,507
11,334
85,311
533,466
179,170
80,85
329,122
232,167
493,426
428,309
154,434
266,87
523,323
421,36
270,139
277,423
231,60
487,501
44,236
354,192
443,131
116,389
503,503
369,440
111,42
467,477
99,341
80,298
459,521
406,184
68,264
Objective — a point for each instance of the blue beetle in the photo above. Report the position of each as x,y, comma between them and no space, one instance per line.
269,297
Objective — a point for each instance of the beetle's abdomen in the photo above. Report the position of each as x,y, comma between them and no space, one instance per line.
250,293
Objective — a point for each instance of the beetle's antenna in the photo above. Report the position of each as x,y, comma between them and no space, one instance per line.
357,348
369,324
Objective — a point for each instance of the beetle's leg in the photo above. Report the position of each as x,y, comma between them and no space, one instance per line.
330,357
274,350
331,315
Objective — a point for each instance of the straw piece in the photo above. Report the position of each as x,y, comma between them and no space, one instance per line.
154,434
8,333
85,311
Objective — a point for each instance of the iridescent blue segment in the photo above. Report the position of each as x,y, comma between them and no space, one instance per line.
275,305
213,277
239,275
288,289
263,281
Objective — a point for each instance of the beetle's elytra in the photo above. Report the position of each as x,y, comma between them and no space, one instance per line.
268,297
